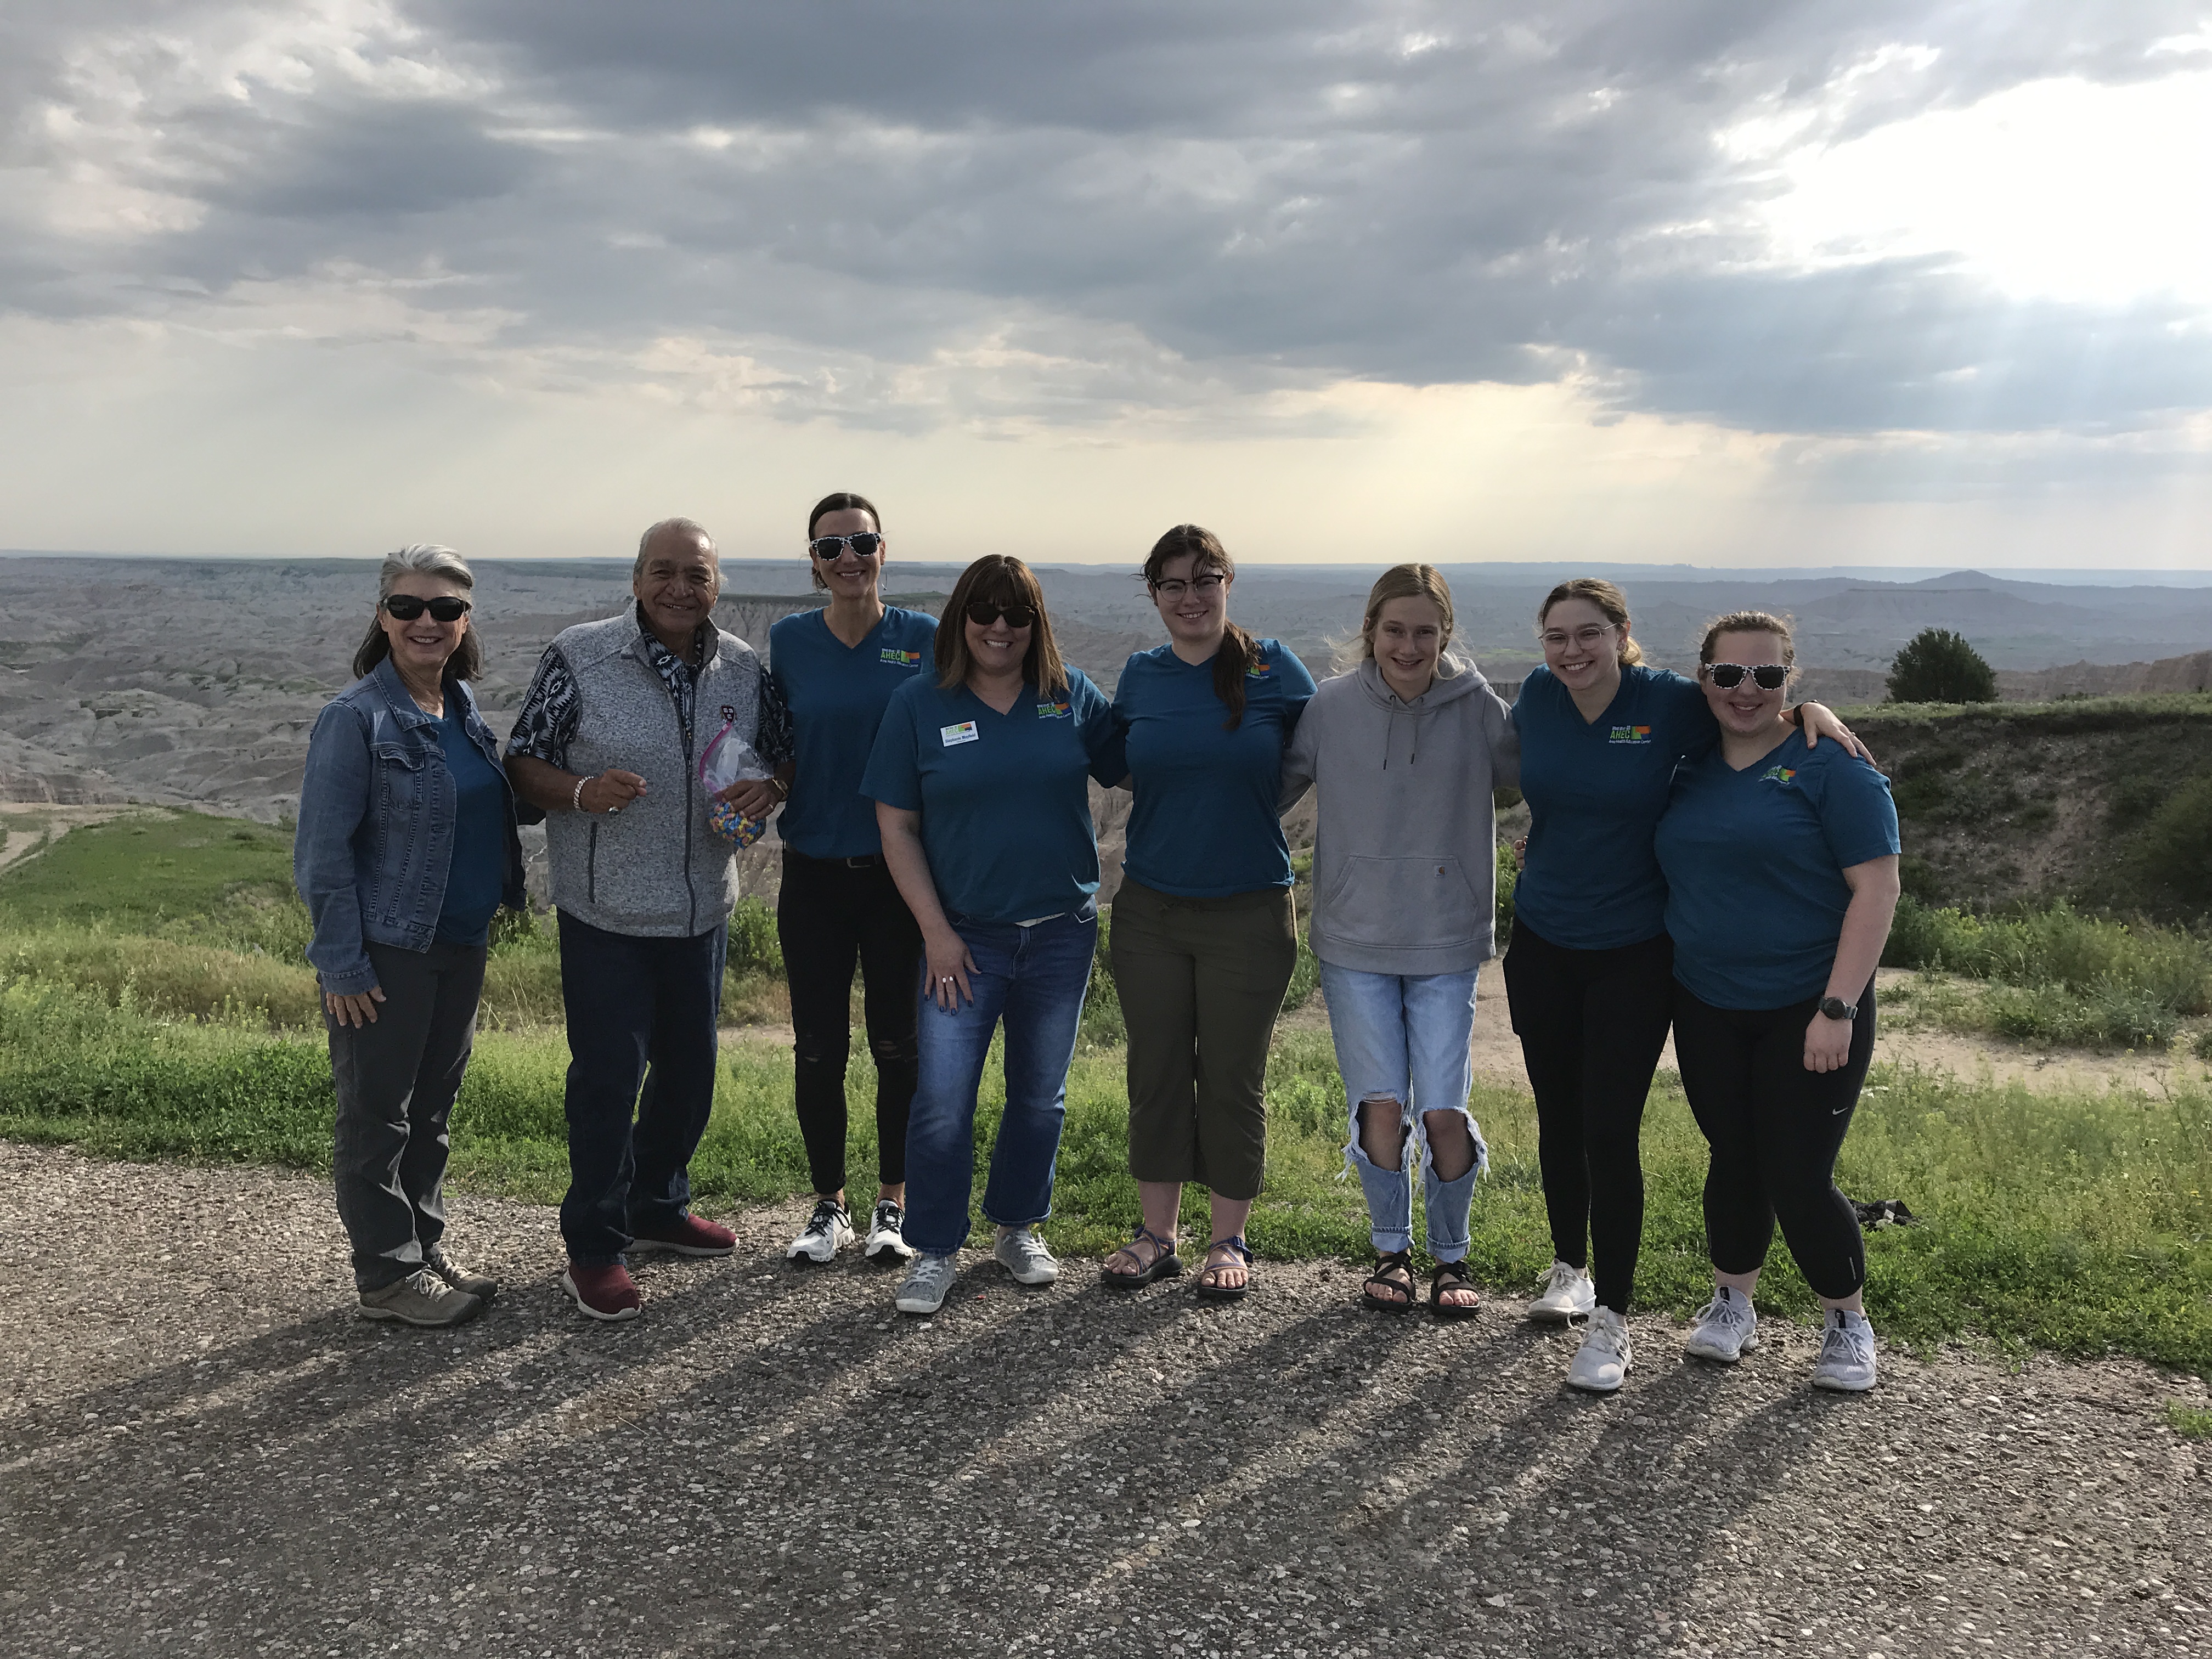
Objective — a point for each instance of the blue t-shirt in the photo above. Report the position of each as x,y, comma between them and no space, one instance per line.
1204,823
477,878
837,693
1754,862
1006,808
1589,880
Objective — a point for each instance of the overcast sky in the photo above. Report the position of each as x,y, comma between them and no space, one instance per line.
1757,282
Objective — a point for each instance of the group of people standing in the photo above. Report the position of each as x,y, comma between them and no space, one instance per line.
1700,856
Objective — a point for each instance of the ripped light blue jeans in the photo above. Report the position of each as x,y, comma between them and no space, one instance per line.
1404,1037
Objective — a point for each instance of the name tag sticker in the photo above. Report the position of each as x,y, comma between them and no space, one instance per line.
963,733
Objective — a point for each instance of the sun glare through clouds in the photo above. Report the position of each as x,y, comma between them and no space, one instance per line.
2056,189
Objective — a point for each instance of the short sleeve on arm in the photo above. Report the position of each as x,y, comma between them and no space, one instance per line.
547,723
1296,682
894,770
1102,733
1857,815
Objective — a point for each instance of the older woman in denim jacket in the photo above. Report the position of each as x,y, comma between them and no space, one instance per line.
406,847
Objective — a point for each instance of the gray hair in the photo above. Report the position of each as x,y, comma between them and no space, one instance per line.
687,526
422,559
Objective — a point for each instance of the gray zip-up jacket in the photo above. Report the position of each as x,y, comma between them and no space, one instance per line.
1405,874
656,869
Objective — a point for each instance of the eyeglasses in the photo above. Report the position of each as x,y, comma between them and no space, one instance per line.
1174,588
1767,676
983,613
866,543
1554,640
406,607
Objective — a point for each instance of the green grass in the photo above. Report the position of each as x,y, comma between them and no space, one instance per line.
2057,976
2190,1422
2077,1222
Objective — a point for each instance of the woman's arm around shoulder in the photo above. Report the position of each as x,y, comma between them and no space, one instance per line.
1302,755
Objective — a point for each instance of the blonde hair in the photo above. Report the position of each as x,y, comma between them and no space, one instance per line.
1609,600
1405,581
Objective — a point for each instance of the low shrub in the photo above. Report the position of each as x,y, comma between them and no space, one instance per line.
2177,844
2059,976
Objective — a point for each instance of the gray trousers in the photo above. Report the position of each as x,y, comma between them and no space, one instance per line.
396,1082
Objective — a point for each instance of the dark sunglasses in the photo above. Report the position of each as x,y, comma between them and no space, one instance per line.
867,543
1767,677
983,613
406,607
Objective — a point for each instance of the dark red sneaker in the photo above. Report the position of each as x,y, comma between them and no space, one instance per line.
602,1292
689,1235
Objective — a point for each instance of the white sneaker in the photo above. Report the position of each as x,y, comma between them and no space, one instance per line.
1567,1294
1846,1361
926,1282
828,1231
1605,1355
1023,1254
1726,1328
887,1235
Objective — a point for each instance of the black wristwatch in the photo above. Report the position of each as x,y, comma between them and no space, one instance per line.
1836,1008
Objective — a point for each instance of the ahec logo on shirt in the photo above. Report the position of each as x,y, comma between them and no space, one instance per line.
1630,734
1259,671
1054,709
963,733
898,659
1778,773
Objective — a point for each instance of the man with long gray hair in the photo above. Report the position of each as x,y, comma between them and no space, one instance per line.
606,751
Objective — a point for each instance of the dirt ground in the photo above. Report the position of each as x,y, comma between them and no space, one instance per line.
204,1452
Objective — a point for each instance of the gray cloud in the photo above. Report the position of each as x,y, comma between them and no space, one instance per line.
1058,212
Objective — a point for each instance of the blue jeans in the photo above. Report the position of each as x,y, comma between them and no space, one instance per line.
1404,1037
1034,978
641,1011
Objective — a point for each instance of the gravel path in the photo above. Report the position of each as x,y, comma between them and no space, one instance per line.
205,1453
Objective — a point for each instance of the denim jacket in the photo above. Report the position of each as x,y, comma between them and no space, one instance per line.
376,826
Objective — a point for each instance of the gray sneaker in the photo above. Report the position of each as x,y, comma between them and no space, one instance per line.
926,1284
479,1286
1023,1254
1602,1361
1846,1361
1725,1329
420,1298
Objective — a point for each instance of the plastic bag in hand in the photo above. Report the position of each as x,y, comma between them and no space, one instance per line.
728,758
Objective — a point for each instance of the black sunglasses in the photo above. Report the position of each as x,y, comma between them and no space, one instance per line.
406,607
983,613
1767,677
867,543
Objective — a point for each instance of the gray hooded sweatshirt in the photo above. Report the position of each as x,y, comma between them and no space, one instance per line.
1405,871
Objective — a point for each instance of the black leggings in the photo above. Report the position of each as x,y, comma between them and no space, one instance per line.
1591,1025
830,914
1775,1129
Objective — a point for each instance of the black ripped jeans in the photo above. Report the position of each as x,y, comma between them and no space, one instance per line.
830,915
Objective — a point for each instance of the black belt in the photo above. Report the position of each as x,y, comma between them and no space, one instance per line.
866,861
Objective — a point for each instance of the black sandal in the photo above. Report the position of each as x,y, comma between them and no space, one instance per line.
1451,1276
1166,1264
1210,1286
1386,1268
